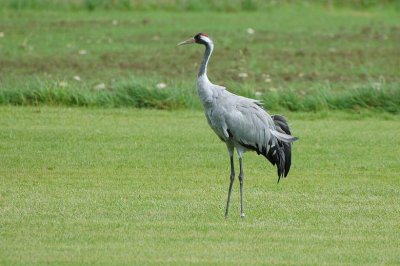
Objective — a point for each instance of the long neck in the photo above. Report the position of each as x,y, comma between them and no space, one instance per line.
206,57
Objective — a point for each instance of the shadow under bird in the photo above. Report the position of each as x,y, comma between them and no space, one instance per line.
242,123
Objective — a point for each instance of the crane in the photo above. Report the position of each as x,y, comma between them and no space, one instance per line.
242,123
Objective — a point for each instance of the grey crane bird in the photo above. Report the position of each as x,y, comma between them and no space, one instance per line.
242,123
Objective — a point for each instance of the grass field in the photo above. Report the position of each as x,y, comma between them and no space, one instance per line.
124,186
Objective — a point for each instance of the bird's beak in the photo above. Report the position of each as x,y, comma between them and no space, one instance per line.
188,41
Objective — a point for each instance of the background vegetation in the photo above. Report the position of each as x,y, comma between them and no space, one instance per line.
306,56
190,5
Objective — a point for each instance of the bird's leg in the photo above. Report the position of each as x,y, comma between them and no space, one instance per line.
230,185
241,179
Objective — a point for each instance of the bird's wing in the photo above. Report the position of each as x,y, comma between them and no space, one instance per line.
248,123
243,116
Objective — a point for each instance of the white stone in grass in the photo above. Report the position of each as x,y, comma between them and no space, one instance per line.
1,34
100,86
115,22
250,31
82,52
258,93
243,75
77,78
161,85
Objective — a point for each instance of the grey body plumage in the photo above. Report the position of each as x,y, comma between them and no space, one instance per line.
242,123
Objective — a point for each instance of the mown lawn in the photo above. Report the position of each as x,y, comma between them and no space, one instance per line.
125,186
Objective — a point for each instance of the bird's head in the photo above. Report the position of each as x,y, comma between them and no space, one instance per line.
200,38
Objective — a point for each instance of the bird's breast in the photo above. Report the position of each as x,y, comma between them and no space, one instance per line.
217,122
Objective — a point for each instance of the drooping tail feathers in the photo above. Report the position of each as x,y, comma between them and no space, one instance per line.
282,155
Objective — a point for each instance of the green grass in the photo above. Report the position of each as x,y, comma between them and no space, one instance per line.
124,186
134,93
306,58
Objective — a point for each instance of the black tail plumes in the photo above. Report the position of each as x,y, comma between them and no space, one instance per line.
281,155
279,148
